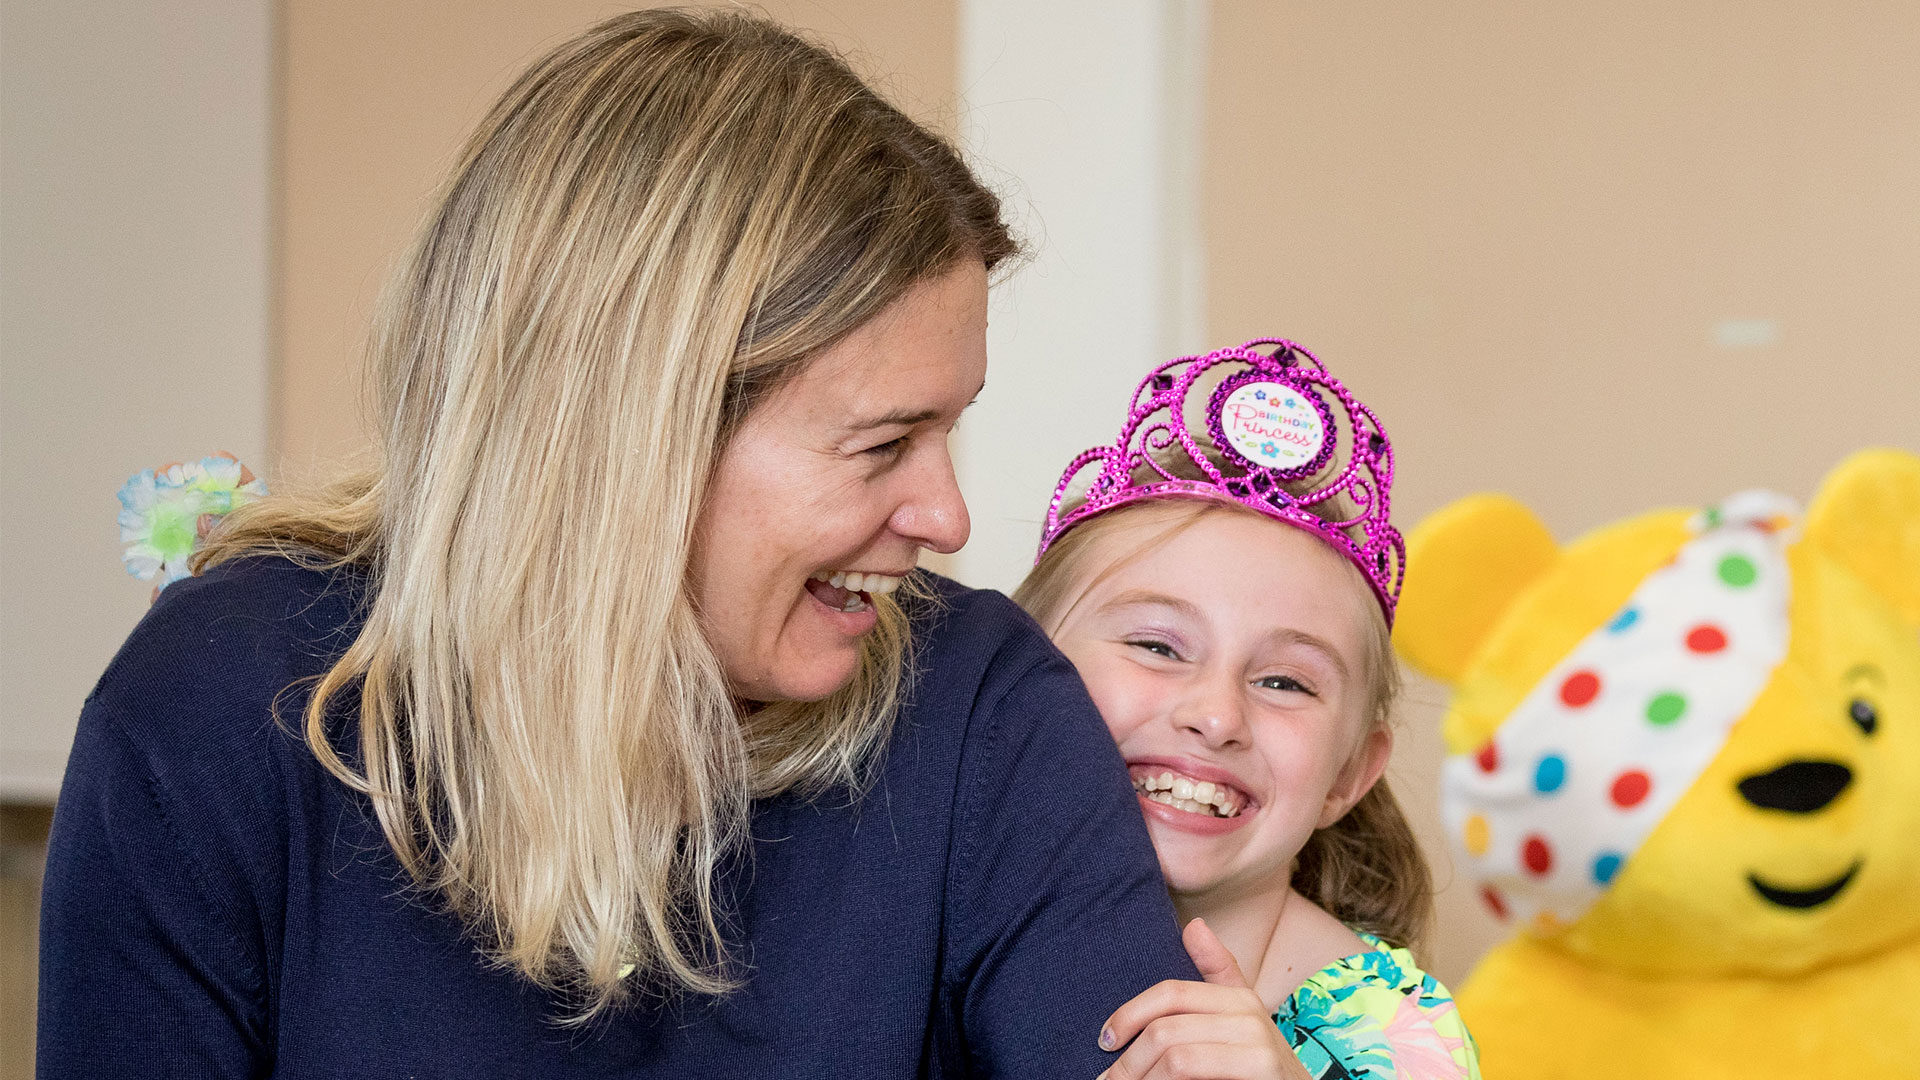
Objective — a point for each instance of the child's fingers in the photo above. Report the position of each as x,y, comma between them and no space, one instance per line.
1216,964
1207,1047
1168,1042
1169,998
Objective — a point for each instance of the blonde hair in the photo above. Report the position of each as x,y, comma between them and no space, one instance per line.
658,225
1365,869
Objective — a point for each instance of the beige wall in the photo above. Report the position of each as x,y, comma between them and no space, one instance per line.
377,97
1535,236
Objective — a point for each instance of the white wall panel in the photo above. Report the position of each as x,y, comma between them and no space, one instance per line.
135,176
1086,116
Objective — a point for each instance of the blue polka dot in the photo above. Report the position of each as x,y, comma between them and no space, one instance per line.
1623,620
1549,774
1605,867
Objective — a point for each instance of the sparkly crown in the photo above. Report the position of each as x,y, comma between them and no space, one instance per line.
1276,430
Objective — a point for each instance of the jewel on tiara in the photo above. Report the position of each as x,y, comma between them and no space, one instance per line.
1271,429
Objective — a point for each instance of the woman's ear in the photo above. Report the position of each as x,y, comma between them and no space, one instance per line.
1362,771
1867,515
1466,564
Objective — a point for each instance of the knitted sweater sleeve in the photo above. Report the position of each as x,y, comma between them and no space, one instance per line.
146,965
1058,913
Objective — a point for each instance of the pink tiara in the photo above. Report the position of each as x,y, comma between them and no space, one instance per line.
1275,422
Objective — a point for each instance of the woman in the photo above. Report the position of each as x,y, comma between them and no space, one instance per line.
598,709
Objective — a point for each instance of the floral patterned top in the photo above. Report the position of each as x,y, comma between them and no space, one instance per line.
1377,1016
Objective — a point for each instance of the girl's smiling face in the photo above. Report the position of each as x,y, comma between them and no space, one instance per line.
1231,663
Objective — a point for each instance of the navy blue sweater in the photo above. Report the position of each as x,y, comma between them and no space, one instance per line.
217,905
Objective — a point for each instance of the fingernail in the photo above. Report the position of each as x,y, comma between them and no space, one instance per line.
1106,1041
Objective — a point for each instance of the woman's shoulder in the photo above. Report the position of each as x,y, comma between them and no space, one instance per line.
976,628
1377,1010
976,651
988,684
225,645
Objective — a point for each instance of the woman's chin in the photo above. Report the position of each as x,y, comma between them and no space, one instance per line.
816,671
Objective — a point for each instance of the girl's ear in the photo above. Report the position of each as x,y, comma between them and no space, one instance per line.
1867,515
1361,773
1466,563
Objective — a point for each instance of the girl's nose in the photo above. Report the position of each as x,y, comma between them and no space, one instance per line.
1216,715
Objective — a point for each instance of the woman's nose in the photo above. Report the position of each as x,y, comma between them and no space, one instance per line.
933,514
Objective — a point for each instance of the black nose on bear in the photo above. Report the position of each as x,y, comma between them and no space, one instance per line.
1798,787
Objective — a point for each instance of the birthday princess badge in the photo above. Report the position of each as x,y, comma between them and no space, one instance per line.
1274,426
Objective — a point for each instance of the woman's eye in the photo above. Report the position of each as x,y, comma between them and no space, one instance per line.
1285,683
890,448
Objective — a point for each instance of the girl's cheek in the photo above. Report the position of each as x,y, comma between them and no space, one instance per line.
1125,700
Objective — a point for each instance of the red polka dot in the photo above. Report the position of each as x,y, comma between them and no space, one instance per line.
1488,758
1537,855
1580,688
1706,638
1630,787
1494,903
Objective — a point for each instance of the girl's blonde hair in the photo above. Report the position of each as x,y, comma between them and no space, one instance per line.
656,227
1366,869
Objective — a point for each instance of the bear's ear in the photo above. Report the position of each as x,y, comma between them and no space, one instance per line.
1465,565
1867,515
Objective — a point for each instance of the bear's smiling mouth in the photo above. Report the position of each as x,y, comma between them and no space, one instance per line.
1803,899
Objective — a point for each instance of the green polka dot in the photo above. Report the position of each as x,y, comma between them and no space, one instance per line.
1738,571
1713,517
1665,709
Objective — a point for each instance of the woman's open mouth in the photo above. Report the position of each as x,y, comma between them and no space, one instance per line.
850,592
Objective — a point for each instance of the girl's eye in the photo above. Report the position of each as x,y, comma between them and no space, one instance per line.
1157,648
1286,684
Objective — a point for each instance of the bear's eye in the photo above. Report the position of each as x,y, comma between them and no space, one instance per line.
1863,715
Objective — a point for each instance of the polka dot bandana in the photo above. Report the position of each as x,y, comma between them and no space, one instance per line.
1551,809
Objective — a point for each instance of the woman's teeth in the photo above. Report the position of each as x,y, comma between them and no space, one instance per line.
850,590
857,582
1186,793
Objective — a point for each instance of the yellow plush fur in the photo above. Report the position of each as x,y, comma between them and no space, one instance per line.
1684,968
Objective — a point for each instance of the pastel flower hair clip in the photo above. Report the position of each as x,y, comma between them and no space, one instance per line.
166,513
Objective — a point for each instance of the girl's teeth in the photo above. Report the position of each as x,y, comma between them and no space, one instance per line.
1186,793
838,580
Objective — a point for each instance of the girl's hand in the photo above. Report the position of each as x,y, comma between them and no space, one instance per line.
1213,1030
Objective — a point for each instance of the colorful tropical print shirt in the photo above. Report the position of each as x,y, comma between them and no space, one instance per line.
1377,1016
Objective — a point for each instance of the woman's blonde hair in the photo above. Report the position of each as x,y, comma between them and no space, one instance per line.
656,227
1366,869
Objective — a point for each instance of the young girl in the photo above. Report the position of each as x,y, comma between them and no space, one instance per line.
1225,584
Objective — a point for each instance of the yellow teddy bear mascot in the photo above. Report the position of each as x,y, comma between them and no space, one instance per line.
1684,763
